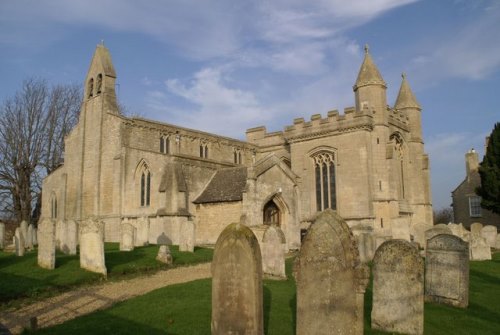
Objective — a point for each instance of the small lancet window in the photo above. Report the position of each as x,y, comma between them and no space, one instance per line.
237,156
164,144
203,150
145,188
99,84
90,88
53,208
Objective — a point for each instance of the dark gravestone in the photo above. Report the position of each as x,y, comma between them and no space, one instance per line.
330,278
237,283
398,288
447,271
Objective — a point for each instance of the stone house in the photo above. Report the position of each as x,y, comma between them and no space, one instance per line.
368,163
466,203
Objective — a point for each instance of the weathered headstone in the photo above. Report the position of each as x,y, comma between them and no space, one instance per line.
47,244
23,226
187,236
29,237
366,246
400,228
237,296
417,233
2,235
398,288
71,241
331,280
457,230
475,228
19,242
164,255
128,233
273,252
142,235
489,233
497,243
479,249
92,246
437,230
447,270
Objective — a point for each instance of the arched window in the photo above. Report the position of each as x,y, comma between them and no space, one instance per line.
271,214
164,144
324,176
99,84
399,154
203,150
144,184
53,207
90,88
237,156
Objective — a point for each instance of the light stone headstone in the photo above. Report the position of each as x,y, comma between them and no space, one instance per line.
417,231
92,246
476,228
19,242
331,280
2,235
164,255
479,249
497,243
24,231
71,242
59,232
447,270
273,252
142,236
400,228
366,246
237,294
398,288
187,236
437,230
457,229
47,244
62,226
128,233
29,237
489,233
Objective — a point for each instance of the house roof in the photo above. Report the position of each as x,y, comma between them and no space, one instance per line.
226,185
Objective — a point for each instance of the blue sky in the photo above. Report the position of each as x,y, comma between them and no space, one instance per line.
225,66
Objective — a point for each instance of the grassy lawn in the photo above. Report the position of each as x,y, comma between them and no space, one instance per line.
20,277
185,309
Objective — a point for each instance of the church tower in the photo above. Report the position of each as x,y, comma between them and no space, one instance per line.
99,102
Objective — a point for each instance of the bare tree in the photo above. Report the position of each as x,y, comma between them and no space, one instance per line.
33,124
443,215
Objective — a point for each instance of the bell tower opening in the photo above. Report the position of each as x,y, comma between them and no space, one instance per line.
272,214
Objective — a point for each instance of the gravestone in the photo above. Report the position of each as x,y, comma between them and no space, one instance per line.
437,230
47,244
70,245
458,230
187,236
489,233
59,233
476,228
24,232
273,252
400,228
128,233
447,271
29,237
237,296
19,242
497,243
417,232
479,249
398,288
142,235
92,246
366,246
2,235
164,255
331,280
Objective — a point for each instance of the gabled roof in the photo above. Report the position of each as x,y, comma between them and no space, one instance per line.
406,98
368,73
226,185
102,59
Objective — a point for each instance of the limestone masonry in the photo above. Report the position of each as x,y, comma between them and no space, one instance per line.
368,164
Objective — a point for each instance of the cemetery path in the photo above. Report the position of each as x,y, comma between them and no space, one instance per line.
72,304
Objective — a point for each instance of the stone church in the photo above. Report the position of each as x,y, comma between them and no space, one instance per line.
367,163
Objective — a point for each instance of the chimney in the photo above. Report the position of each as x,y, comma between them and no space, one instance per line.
471,162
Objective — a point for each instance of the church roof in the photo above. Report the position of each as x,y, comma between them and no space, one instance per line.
406,98
368,73
226,185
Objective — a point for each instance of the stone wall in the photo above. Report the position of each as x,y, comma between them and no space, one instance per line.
212,218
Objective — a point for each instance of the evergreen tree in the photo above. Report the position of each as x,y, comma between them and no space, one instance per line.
490,173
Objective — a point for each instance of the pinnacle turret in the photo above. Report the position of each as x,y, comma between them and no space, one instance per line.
368,73
406,98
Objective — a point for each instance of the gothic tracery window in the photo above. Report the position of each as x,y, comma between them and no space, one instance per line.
144,176
324,175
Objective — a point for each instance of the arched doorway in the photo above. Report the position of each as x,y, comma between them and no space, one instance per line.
272,214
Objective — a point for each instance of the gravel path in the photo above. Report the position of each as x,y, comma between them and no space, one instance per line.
82,301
